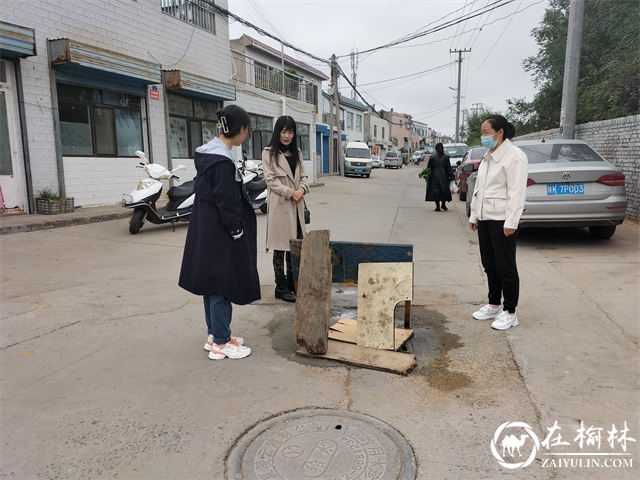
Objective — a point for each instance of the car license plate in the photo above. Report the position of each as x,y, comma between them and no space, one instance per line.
358,170
565,189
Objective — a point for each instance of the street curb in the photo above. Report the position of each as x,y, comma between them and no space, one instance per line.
62,222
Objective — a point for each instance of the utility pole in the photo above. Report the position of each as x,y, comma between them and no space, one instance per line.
571,69
354,71
332,87
459,52
476,108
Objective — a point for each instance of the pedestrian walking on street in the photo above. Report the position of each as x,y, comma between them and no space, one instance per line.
438,183
287,185
496,207
220,253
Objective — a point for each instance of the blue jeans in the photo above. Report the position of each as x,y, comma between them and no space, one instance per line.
217,313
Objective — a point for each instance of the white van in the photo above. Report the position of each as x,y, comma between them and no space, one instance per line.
357,159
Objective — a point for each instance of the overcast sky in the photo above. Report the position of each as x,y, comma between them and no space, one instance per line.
491,73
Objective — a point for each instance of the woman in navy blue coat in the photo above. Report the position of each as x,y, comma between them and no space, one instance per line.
220,254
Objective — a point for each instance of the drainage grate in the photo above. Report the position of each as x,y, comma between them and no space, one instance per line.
321,444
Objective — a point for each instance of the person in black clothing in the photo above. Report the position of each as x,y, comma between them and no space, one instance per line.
438,182
220,253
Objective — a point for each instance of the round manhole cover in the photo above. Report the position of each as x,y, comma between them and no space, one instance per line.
324,445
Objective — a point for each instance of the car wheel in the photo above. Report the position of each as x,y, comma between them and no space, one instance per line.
400,166
367,175
602,232
462,195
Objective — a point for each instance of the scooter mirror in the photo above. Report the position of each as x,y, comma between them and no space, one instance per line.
141,154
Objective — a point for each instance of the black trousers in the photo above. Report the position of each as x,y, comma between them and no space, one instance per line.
279,257
498,255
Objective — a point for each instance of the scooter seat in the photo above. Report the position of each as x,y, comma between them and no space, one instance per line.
256,185
183,190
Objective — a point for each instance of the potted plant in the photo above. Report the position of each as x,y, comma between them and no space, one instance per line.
49,202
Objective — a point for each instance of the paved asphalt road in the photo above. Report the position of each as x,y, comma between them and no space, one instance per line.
103,374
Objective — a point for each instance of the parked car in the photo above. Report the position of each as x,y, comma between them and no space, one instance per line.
428,150
357,159
392,159
417,156
469,164
569,185
456,152
376,162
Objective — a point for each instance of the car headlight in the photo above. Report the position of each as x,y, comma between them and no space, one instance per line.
347,164
144,184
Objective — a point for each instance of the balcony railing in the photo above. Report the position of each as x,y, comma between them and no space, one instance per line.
196,12
275,81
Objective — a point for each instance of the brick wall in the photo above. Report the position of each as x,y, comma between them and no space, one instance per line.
618,141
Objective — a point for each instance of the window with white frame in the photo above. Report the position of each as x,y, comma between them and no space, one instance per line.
349,120
303,140
382,133
375,131
196,12
192,122
96,122
358,123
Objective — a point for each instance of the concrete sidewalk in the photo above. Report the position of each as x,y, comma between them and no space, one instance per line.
22,222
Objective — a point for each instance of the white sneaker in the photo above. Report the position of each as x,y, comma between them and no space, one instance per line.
487,312
207,346
230,349
505,320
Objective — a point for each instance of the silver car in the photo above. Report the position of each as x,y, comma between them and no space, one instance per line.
569,185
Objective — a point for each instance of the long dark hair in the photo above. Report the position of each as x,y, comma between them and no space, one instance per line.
499,122
231,119
286,122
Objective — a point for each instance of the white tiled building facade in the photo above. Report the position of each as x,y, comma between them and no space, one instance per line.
84,84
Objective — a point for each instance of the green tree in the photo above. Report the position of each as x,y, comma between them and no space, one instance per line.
609,80
472,127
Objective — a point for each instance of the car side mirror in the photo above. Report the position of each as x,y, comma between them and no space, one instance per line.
459,162
468,168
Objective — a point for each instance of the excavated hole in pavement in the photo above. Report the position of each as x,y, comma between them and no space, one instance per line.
431,342
322,444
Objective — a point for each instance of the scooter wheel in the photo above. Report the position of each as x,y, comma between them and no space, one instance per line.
137,220
263,208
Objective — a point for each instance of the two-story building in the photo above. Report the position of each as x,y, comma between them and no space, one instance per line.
378,133
403,135
352,128
270,84
85,85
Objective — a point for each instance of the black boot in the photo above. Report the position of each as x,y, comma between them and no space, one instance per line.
291,285
282,291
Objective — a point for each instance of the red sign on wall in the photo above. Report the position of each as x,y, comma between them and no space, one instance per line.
154,94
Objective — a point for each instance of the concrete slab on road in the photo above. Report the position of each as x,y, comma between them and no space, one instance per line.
104,374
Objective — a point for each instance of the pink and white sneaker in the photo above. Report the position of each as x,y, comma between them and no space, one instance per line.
230,349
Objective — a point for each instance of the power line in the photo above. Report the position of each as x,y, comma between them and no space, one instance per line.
225,12
475,13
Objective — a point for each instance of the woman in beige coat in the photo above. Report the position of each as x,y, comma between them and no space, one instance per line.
287,184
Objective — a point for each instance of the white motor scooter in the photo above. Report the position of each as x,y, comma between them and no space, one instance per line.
254,182
143,198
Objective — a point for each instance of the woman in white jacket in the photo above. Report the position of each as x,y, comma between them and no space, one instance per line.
496,207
